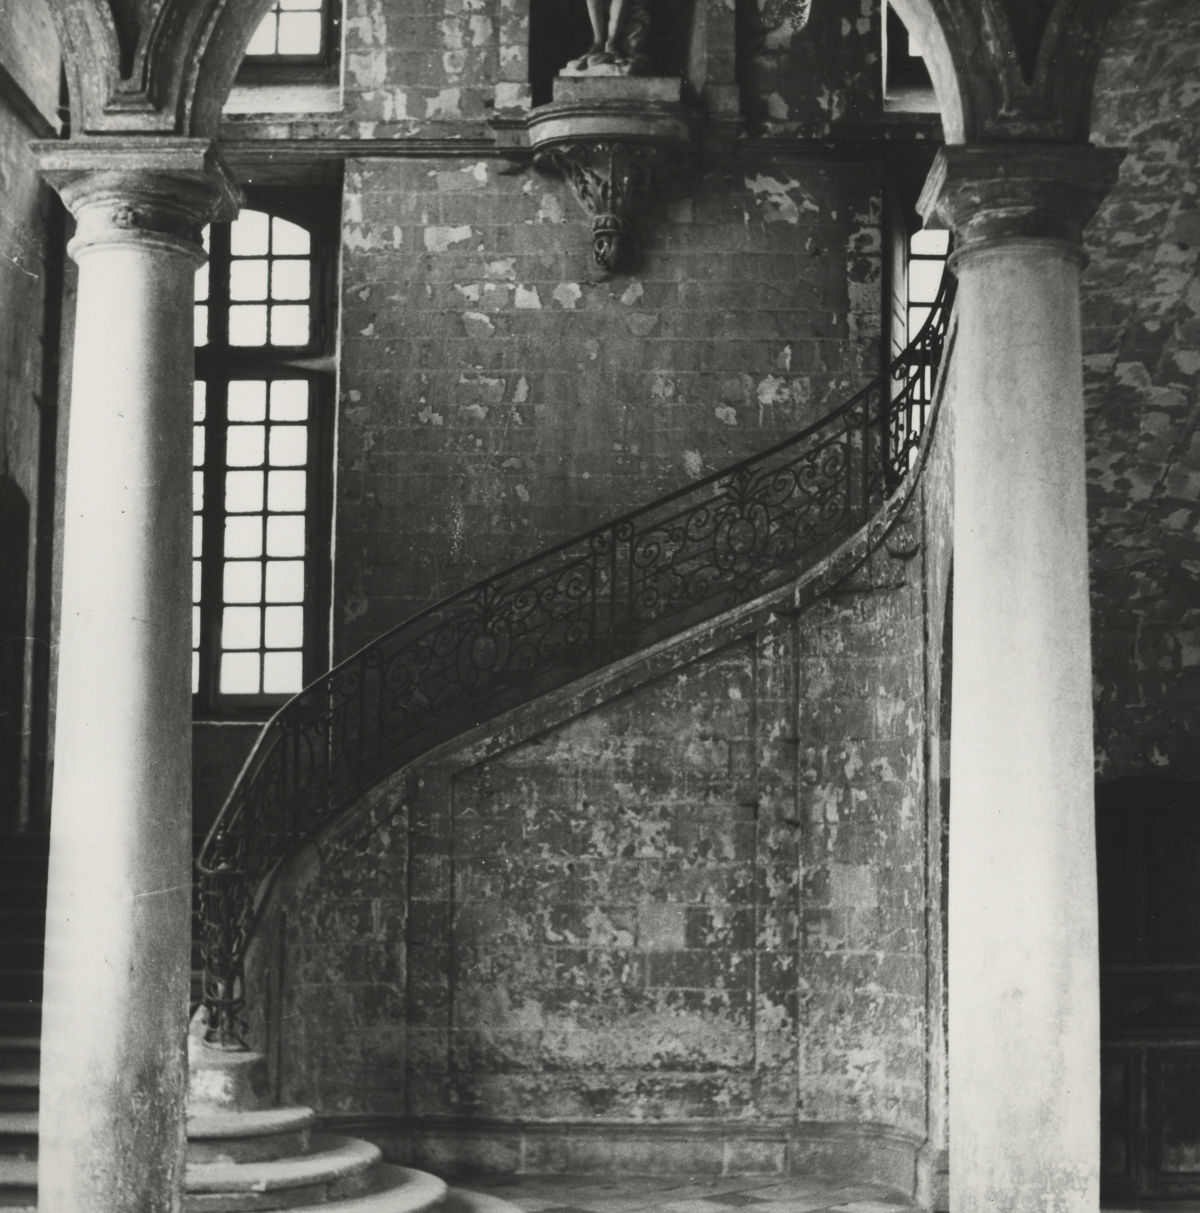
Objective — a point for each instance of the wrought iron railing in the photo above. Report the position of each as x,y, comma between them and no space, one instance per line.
652,573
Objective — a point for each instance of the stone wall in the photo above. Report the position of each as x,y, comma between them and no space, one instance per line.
1141,315
498,399
697,901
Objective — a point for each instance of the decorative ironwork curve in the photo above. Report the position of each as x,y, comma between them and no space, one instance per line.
647,575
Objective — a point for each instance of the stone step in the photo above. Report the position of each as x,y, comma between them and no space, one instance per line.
461,1200
256,1136
18,1172
338,1167
401,1190
19,1089
17,1126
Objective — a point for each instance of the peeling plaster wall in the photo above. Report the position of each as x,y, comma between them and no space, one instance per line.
700,902
497,400
1141,314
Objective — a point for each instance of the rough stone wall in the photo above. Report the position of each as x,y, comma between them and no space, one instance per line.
497,400
702,900
1141,315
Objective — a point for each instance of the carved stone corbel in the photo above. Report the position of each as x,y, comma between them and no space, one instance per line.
614,140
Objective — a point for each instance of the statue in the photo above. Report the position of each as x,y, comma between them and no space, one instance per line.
620,40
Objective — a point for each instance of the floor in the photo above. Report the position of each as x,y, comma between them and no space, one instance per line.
679,1194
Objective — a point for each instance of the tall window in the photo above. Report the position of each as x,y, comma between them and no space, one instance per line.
260,459
297,40
927,253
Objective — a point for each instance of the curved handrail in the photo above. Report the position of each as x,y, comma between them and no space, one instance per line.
539,624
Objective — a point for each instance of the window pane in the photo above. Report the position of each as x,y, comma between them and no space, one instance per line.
924,278
200,324
289,325
249,234
285,581
243,537
263,42
197,491
248,324
285,536
930,243
289,280
300,34
202,283
244,445
285,491
289,400
240,627
916,318
196,626
248,280
197,534
195,581
239,673
295,6
285,627
199,395
197,446
195,673
289,445
283,673
247,400
243,581
243,492
289,239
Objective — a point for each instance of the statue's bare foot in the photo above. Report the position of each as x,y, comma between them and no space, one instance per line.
587,59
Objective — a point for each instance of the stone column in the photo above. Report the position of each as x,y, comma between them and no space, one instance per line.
1023,968
113,1066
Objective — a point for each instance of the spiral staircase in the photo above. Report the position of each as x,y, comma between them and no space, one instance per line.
823,500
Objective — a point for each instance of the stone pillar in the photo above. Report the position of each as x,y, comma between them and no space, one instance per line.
113,1064
1023,967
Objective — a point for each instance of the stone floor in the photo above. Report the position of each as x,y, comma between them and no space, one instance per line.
679,1194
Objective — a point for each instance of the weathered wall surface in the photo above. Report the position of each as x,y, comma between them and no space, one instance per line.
496,400
698,902
1141,313
29,58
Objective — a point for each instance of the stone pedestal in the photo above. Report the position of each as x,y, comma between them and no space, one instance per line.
113,1067
1023,966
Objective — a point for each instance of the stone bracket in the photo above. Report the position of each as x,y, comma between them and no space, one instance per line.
614,151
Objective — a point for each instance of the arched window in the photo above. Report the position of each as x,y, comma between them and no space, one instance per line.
261,461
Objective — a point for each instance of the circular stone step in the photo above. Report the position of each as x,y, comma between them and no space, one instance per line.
340,1158
258,1123
460,1200
399,1190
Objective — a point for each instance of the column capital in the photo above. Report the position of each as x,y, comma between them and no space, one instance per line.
1000,192
139,190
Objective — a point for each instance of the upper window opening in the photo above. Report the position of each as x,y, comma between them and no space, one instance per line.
907,85
296,41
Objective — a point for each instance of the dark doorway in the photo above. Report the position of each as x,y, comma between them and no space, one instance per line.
1148,854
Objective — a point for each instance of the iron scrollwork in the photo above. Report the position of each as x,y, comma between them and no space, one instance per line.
688,556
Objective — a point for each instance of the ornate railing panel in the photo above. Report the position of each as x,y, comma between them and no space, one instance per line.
540,624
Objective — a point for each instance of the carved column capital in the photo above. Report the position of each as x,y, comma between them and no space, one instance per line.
991,194
149,191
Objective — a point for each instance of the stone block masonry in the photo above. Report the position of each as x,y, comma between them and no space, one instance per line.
698,902
497,399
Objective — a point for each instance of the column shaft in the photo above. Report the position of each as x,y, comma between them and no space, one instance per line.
1024,1015
114,1023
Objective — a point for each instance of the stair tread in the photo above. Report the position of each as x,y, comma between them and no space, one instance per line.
463,1200
406,1191
25,1123
17,1172
15,1041
201,1126
346,1156
24,1078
